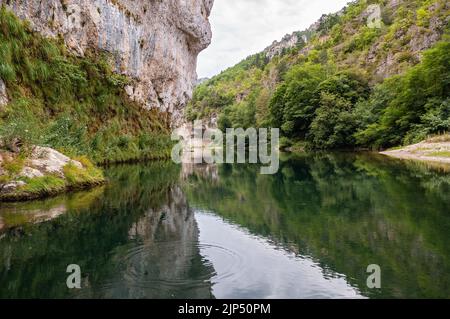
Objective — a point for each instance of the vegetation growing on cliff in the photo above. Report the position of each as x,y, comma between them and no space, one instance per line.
350,85
74,104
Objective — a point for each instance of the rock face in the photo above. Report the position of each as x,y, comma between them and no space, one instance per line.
289,41
298,39
154,42
3,94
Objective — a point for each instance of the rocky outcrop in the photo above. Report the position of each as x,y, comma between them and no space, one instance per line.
298,39
416,39
154,42
3,95
46,160
43,162
289,41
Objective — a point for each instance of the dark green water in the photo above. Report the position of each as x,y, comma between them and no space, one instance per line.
165,231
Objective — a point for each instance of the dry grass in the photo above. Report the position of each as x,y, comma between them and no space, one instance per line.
439,138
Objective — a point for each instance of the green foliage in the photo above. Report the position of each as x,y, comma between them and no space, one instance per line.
43,185
315,106
74,104
440,154
299,102
14,166
362,40
327,22
76,176
334,123
418,105
329,93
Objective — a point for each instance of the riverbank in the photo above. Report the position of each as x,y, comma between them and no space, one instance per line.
44,172
436,150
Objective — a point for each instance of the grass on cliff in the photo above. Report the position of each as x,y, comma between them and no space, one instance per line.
77,105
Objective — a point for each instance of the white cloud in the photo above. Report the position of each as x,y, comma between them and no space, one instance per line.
244,27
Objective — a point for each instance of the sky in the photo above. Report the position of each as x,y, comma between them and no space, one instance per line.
244,27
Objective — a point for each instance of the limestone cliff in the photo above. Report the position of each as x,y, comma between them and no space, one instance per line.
154,42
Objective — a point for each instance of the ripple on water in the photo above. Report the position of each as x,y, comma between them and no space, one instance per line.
165,264
175,264
234,262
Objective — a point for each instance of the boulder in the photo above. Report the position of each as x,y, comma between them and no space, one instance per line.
48,160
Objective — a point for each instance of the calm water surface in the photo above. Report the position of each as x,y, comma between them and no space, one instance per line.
164,231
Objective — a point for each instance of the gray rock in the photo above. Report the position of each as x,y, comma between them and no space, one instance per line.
30,172
48,160
13,186
3,95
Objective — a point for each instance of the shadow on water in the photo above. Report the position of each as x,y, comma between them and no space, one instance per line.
310,231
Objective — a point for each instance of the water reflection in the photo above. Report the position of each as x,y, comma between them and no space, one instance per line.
138,239
345,212
161,258
310,231
248,266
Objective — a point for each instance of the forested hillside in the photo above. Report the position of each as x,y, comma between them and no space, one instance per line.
346,82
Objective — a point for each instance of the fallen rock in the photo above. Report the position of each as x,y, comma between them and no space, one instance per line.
48,160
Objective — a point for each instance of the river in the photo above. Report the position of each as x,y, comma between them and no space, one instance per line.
161,230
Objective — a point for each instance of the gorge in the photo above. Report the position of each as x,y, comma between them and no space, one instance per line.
91,92
105,80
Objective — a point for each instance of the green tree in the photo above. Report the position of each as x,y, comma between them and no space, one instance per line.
417,99
297,99
334,124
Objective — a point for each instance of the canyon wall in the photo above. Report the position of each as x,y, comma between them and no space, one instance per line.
154,42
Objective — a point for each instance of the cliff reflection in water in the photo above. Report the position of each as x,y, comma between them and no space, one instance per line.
137,239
